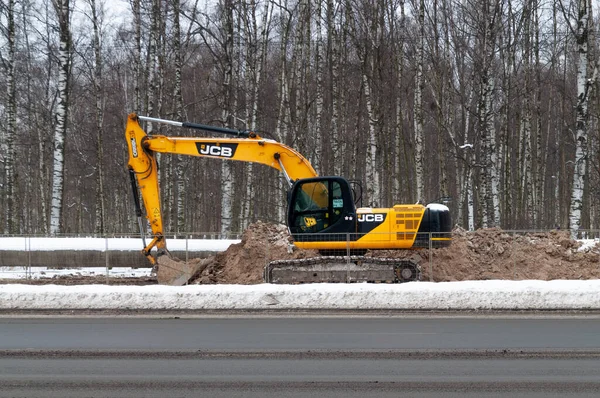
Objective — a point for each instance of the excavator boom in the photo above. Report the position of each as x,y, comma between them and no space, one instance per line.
248,147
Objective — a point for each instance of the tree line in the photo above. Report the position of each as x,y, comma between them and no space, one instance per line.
488,106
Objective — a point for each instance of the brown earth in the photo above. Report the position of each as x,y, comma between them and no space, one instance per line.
480,255
483,254
496,254
244,262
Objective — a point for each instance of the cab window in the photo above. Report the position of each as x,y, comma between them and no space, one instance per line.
312,196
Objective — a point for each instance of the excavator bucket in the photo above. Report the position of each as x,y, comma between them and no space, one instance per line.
173,272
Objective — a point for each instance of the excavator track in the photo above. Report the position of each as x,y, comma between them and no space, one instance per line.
337,269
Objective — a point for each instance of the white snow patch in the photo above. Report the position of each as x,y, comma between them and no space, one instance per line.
471,295
587,244
45,272
103,244
437,206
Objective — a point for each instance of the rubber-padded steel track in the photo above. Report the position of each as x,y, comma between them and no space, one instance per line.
349,269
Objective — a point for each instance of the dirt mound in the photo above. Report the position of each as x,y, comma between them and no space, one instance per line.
483,254
244,262
496,254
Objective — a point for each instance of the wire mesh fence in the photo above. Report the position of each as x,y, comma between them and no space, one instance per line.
111,255
482,255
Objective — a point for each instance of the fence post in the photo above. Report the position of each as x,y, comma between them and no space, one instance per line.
348,247
28,248
430,255
106,257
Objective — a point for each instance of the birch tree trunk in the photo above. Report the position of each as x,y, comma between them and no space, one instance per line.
97,82
540,169
468,194
320,89
226,166
298,97
137,54
254,79
10,216
399,141
179,189
283,113
35,182
365,28
42,123
246,72
528,183
333,40
507,55
439,94
62,8
492,161
418,106
583,86
373,188
152,62
489,174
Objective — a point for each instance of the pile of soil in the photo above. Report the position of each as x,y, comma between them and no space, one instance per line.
483,254
244,262
496,254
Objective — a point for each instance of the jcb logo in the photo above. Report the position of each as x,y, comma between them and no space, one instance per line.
134,151
371,218
224,151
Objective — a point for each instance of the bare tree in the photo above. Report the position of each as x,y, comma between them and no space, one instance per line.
96,18
137,54
418,105
179,186
63,12
366,32
9,63
584,84
227,175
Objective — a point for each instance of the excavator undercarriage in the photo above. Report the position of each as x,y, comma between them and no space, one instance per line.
335,269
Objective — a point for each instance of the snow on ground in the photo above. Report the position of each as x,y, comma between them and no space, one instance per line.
471,295
104,244
96,244
46,272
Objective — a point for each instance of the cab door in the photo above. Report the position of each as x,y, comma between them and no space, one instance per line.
321,206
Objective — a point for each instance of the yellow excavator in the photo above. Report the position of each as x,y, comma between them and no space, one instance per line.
322,211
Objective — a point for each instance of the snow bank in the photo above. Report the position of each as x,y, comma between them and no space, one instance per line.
104,244
52,272
472,295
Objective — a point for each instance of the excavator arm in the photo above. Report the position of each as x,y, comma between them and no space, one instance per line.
247,147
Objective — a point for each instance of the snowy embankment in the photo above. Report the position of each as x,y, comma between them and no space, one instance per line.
26,243
472,295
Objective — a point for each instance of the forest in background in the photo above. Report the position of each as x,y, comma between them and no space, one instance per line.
490,106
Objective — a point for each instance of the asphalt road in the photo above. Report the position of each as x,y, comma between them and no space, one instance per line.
263,333
286,356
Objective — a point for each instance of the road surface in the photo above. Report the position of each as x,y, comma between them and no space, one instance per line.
297,356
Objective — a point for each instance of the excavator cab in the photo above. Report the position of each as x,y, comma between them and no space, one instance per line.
321,205
322,215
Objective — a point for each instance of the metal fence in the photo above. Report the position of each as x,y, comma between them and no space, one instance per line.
118,254
22,255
